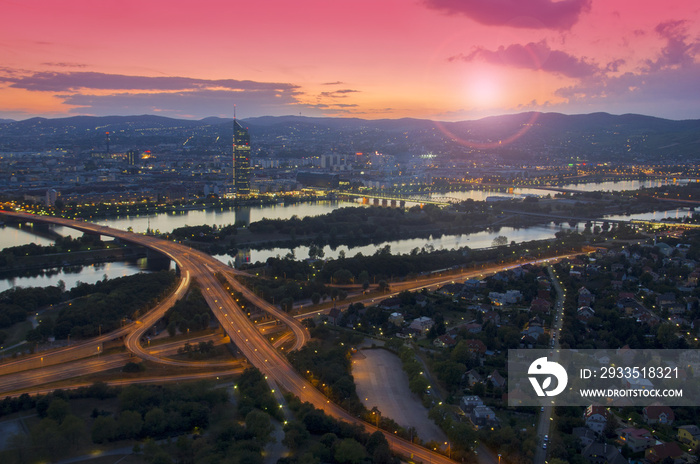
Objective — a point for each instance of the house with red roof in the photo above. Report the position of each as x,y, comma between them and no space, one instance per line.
658,414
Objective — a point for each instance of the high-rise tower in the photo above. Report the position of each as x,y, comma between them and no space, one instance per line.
241,159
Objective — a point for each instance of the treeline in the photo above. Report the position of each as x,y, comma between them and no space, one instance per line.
17,303
313,436
189,313
326,364
285,291
383,265
203,233
197,419
361,225
134,412
236,434
8,256
103,306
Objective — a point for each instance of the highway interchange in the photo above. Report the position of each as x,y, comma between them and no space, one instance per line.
211,275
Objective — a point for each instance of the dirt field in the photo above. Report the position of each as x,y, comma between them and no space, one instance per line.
381,382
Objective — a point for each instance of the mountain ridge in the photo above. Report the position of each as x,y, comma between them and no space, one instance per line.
517,136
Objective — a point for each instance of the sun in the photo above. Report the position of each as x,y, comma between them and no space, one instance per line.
484,90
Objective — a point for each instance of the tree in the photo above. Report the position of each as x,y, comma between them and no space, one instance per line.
129,424
258,423
72,428
342,276
316,298
103,429
295,435
154,422
349,451
501,240
418,384
46,436
58,410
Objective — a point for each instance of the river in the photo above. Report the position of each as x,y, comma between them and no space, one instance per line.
10,236
71,276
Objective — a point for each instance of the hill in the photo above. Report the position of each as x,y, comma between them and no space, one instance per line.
515,138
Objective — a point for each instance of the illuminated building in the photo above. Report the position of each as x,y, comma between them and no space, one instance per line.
132,156
241,159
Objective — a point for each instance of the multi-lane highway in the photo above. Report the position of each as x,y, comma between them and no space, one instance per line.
211,275
252,344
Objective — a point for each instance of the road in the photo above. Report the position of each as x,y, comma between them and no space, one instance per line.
546,414
55,373
207,271
252,344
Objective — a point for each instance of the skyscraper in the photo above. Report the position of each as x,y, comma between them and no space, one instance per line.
241,159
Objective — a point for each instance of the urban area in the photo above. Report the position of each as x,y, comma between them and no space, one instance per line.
318,290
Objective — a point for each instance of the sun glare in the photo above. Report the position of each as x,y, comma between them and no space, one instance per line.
483,90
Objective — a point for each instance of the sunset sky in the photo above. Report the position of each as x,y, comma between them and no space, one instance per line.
434,59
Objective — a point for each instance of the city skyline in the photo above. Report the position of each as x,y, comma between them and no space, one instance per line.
432,59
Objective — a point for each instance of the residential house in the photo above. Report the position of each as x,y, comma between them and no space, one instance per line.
584,313
540,306
421,325
666,299
444,341
636,439
473,377
468,403
689,434
585,297
585,436
602,453
658,414
496,379
334,316
660,452
533,328
396,319
472,327
664,248
596,417
483,416
475,346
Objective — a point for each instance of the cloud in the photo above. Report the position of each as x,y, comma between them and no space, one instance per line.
201,103
646,93
333,83
668,80
65,65
677,51
338,93
80,81
536,56
532,14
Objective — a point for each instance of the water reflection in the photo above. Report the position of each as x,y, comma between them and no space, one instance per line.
166,222
476,240
71,275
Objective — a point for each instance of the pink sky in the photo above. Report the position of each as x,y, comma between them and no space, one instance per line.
436,59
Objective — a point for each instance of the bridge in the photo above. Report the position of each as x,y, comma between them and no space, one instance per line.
632,222
200,267
398,200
